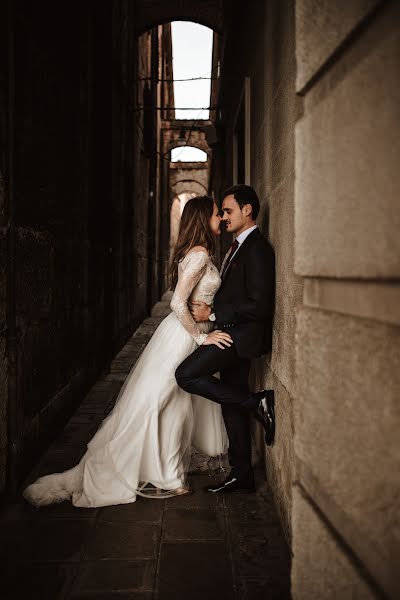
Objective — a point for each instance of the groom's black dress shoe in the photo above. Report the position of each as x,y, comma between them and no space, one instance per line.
232,485
265,414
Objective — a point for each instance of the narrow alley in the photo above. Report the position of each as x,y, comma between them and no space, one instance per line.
114,116
200,546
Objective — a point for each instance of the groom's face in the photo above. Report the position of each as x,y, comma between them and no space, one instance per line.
234,217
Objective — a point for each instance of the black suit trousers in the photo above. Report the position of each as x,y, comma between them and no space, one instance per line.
196,376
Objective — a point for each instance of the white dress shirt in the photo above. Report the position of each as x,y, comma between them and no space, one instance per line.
242,236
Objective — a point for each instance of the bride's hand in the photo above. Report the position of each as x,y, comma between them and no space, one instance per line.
218,338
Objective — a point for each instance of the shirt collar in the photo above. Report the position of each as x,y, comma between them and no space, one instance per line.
242,236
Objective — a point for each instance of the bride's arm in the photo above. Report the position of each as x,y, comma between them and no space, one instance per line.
192,268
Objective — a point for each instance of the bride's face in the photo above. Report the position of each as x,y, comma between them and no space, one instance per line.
215,221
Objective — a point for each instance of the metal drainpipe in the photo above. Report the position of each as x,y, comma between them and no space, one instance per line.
11,343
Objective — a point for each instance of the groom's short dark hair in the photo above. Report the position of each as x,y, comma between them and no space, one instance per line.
244,194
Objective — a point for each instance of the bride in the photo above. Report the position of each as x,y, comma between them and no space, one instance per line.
144,445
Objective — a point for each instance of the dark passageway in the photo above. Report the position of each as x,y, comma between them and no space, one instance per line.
304,107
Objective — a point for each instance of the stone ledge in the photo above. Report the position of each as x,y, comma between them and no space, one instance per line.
368,300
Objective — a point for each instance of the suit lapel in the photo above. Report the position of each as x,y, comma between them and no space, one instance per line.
246,242
223,263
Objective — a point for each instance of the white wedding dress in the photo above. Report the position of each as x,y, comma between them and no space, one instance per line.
148,436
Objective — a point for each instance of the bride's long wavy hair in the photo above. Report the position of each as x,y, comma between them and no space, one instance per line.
194,230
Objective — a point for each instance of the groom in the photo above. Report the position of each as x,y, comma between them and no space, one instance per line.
243,307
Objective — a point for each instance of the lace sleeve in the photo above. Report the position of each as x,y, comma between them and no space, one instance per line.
190,272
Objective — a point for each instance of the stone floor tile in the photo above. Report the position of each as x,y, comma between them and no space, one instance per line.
200,498
239,504
37,582
255,558
141,510
14,536
128,540
263,589
115,576
58,540
103,386
196,571
20,511
111,553
77,434
84,419
66,510
194,524
120,377
58,459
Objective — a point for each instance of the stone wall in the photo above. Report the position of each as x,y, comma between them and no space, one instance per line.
324,113
60,250
347,249
188,177
151,167
259,44
4,51
78,201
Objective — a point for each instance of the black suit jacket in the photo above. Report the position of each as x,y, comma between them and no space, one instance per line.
244,304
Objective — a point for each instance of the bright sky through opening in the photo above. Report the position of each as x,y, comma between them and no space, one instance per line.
188,154
191,57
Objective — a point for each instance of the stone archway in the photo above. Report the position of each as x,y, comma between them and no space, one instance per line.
194,132
150,13
182,187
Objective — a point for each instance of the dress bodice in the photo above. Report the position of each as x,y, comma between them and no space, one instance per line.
198,279
208,285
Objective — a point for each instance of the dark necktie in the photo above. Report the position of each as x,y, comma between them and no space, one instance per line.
232,250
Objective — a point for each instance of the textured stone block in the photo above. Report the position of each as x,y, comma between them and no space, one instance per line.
57,540
289,287
378,301
321,570
41,580
321,26
279,459
346,425
3,393
129,540
141,510
347,177
3,356
193,524
181,565
3,462
108,576
3,272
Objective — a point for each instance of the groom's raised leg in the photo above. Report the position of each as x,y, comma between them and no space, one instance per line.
195,375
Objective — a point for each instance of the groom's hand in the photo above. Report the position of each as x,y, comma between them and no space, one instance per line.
200,310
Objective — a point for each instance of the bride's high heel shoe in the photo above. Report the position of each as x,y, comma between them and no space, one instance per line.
149,491
182,491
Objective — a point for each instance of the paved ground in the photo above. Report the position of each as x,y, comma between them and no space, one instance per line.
195,547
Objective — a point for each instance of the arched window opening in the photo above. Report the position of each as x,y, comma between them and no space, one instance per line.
192,64
188,154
